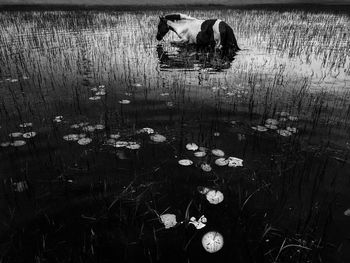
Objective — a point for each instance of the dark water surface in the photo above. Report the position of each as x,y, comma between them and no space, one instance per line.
66,72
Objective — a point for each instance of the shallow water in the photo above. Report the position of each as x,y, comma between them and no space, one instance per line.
99,202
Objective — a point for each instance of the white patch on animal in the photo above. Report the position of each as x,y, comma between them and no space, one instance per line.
187,30
216,33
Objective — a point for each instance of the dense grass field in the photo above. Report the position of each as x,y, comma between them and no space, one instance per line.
106,133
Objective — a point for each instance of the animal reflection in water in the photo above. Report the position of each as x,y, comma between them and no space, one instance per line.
190,57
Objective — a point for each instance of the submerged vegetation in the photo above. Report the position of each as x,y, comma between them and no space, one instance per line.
116,147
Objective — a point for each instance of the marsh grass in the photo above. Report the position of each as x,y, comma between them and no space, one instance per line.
99,203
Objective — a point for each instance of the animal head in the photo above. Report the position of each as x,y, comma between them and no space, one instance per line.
163,28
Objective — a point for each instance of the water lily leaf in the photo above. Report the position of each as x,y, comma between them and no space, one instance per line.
215,197
15,134
200,154
158,138
218,152
18,143
221,162
71,137
29,135
169,220
124,101
206,167
284,133
185,162
84,141
192,147
146,130
234,162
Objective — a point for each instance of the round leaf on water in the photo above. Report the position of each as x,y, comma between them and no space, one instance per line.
234,162
146,130
185,162
18,143
29,135
221,162
71,137
200,154
5,144
84,141
26,124
95,98
169,220
271,122
191,146
215,197
15,134
124,101
133,146
158,138
259,128
114,136
212,241
284,133
218,152
206,167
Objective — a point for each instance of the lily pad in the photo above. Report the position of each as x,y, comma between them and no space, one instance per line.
271,122
221,162
115,136
284,133
133,146
206,167
5,144
185,162
200,154
146,130
18,143
234,162
124,101
26,124
169,220
15,134
158,138
259,128
192,147
95,98
29,135
84,141
71,137
214,197
218,152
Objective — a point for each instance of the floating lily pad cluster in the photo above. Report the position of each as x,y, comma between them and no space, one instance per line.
15,137
82,138
99,91
279,125
58,119
201,152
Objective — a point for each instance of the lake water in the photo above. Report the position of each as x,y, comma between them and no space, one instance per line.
91,185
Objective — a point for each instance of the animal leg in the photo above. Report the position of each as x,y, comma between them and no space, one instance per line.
217,44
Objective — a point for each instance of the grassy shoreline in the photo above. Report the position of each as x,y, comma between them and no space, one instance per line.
343,8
